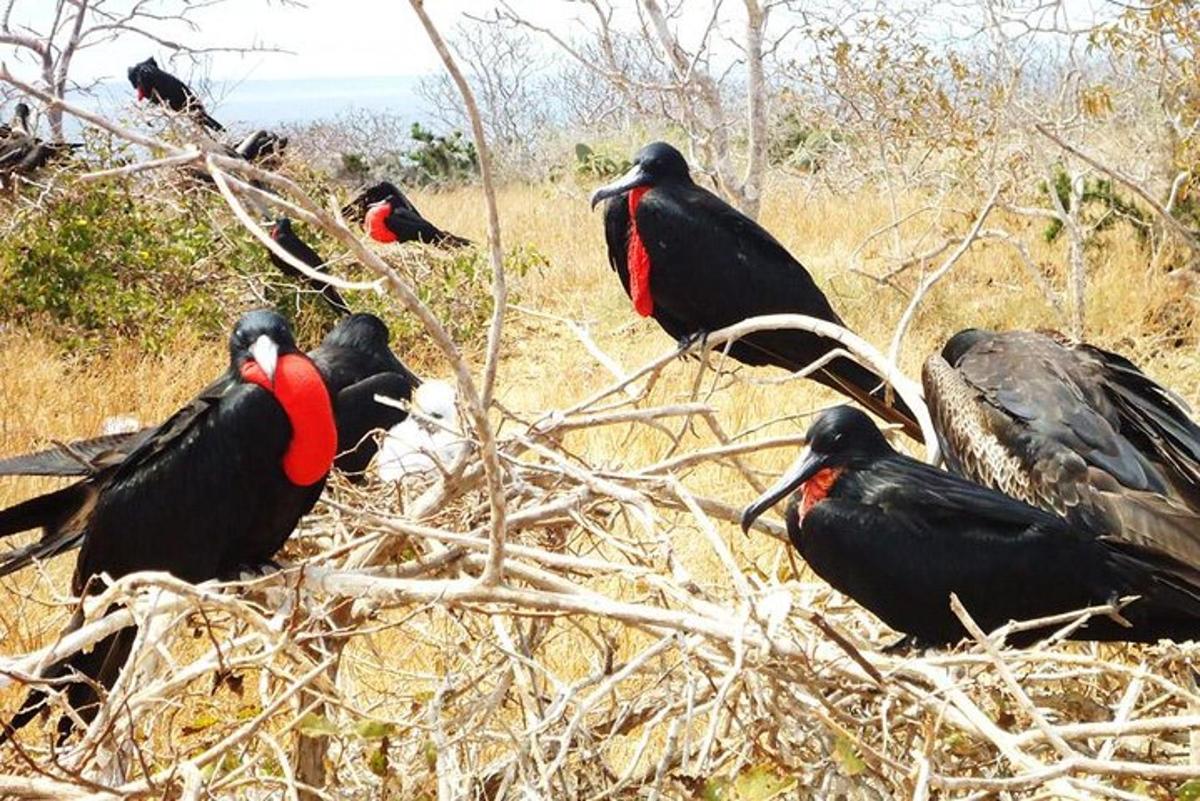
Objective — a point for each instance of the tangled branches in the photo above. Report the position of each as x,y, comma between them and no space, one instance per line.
534,621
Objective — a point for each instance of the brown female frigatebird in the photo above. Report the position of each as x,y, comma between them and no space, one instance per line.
899,536
22,152
1072,428
696,264
216,489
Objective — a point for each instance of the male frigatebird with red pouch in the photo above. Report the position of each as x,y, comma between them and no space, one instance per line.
389,216
900,536
215,490
162,88
696,264
357,365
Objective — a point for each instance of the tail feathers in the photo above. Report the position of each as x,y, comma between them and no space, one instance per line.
50,545
81,458
46,511
62,516
1162,425
450,240
872,392
84,675
208,122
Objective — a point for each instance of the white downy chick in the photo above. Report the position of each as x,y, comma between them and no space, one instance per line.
430,436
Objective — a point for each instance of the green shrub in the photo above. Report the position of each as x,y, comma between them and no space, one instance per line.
1099,195
598,166
101,261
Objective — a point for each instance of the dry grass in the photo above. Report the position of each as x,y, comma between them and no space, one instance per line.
1143,313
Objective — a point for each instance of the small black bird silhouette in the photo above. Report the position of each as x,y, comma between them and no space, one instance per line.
283,234
163,88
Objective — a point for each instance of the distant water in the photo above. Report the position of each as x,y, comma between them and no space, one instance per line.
263,103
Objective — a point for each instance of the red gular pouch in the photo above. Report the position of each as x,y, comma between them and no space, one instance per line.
377,223
817,488
141,93
301,392
637,259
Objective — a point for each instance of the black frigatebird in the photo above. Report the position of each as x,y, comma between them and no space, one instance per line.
215,490
22,152
899,536
163,88
283,234
1071,428
356,360
696,264
356,363
389,216
262,147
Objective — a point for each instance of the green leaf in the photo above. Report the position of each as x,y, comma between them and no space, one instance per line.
1188,791
762,783
312,725
373,729
847,757
377,762
718,788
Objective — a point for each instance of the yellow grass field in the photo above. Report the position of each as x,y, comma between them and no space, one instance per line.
1133,308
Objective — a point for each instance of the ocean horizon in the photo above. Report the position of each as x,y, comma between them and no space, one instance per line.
253,103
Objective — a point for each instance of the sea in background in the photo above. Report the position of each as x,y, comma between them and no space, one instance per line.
249,104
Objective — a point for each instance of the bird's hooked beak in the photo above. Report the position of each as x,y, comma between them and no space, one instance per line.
265,353
807,466
636,176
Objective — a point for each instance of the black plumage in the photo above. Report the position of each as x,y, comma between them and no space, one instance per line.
162,88
355,210
262,147
283,234
211,492
389,216
22,152
359,364
356,363
899,536
1073,429
699,265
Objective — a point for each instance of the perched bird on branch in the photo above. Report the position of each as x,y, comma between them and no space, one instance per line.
696,264
356,364
22,152
1072,428
389,216
899,536
283,234
215,490
162,88
262,147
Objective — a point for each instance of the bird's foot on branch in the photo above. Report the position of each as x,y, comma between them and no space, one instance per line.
907,644
686,343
